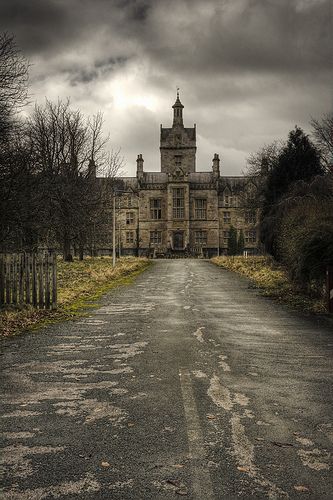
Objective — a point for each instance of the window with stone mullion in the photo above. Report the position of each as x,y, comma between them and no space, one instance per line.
155,208
201,208
251,236
155,237
178,203
129,237
200,237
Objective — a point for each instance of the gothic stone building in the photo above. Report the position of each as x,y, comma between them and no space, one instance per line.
179,209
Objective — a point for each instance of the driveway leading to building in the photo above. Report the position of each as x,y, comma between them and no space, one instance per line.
185,383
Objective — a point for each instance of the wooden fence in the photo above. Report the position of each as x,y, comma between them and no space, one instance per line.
29,278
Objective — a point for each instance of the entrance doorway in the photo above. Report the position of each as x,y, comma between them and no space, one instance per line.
178,240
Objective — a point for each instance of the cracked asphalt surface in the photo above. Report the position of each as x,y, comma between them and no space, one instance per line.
185,383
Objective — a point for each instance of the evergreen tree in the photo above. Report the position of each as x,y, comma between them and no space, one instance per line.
297,160
241,242
232,241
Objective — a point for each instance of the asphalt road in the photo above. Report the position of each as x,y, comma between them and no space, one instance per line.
185,383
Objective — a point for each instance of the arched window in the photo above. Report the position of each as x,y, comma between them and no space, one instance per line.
227,197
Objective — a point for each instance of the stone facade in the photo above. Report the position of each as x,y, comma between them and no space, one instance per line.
179,210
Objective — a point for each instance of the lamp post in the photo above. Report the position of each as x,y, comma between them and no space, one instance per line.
114,231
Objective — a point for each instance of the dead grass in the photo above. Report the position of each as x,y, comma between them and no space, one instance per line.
273,281
80,284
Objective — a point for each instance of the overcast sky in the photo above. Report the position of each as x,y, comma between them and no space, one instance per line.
248,70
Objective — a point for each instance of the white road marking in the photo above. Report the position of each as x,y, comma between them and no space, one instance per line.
219,394
224,365
202,486
199,334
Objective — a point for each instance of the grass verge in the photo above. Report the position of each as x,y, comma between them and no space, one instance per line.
273,281
80,284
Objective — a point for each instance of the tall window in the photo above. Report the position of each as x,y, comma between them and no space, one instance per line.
250,217
155,237
129,237
178,203
200,208
226,236
250,236
178,160
155,208
226,217
200,237
129,218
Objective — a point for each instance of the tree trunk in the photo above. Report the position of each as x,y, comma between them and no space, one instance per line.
81,251
68,257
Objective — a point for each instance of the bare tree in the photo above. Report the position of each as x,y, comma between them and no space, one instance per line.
66,147
13,81
108,182
20,210
262,162
322,131
258,166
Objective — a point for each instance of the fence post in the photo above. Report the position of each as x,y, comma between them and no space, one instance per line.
7,273
27,278
2,280
47,281
21,279
40,281
14,279
329,288
34,280
54,280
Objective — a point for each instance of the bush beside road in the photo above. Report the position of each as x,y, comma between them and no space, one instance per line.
273,281
80,283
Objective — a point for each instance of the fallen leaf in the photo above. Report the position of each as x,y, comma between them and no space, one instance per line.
182,492
301,488
130,424
282,445
105,464
178,466
211,417
174,482
243,469
260,439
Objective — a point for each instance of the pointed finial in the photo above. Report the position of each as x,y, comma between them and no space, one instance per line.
177,92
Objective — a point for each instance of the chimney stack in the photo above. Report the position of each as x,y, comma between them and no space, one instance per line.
139,166
216,166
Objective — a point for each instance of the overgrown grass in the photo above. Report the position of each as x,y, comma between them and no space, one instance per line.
273,281
80,284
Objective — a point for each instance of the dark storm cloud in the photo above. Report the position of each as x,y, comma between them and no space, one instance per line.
252,35
38,25
248,69
100,69
50,25
186,36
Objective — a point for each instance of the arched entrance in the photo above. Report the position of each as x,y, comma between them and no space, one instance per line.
178,240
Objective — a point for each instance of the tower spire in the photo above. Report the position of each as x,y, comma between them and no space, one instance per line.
178,112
